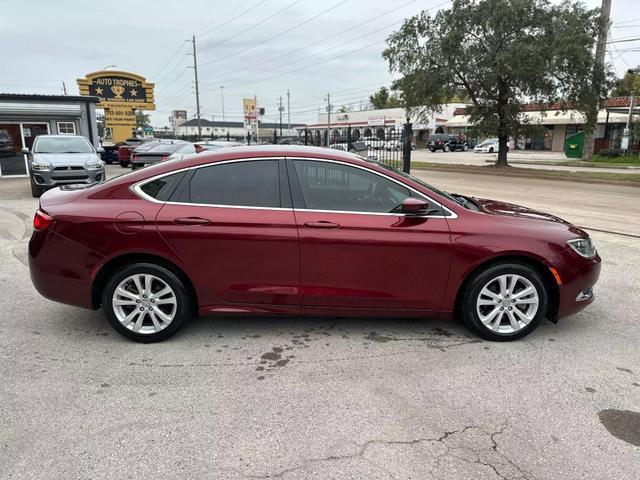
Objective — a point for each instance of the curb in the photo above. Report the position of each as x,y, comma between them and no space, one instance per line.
562,178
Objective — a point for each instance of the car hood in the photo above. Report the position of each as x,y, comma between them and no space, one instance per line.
497,207
65,158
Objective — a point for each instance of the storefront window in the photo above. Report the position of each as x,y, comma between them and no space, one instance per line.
13,137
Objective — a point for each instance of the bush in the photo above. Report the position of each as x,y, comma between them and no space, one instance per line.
610,152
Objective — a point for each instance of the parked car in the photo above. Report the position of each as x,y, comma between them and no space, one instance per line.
488,146
446,143
303,231
6,144
374,143
215,145
396,144
57,160
110,154
126,148
165,150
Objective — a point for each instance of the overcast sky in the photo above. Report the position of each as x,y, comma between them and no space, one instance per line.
255,47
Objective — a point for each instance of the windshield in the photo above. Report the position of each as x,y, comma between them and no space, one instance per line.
491,140
62,145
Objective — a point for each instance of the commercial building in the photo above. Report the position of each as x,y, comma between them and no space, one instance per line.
234,130
383,124
24,117
556,124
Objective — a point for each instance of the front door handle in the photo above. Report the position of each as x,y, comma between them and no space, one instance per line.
191,221
322,224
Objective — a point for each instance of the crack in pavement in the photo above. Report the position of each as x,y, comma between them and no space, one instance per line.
503,467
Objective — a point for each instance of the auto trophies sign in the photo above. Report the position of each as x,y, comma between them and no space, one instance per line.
120,94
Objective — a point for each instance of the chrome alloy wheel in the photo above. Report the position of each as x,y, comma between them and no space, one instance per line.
144,303
507,304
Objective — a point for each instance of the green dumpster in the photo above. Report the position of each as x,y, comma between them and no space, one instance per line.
573,145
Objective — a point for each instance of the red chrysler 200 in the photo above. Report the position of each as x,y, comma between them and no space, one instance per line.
302,231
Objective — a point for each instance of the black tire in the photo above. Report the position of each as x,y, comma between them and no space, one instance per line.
490,149
184,301
469,313
446,148
433,150
465,148
124,164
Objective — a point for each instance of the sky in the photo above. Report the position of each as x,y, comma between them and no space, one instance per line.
261,48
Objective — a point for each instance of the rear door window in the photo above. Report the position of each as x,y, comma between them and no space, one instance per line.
254,183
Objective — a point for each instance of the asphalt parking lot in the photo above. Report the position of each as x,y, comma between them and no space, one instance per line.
324,398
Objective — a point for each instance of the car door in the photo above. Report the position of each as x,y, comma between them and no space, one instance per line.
232,223
356,253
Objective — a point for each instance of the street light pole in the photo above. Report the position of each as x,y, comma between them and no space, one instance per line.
328,119
222,96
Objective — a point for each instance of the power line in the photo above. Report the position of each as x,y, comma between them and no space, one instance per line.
249,28
316,54
227,22
158,72
298,25
288,53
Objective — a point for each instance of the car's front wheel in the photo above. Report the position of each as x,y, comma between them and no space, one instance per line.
446,148
465,148
146,302
505,302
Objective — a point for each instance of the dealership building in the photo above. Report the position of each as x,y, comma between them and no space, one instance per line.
234,130
23,117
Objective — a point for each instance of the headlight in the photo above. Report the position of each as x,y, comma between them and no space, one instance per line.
95,164
583,247
39,166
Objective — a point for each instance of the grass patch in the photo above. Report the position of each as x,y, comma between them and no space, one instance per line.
631,178
618,160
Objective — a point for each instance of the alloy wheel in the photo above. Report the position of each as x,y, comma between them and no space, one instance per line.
144,303
507,303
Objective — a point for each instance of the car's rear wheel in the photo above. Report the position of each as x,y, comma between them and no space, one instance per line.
446,148
146,302
433,150
465,148
124,164
490,149
505,302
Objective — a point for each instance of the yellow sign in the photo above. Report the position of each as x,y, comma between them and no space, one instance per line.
121,94
249,106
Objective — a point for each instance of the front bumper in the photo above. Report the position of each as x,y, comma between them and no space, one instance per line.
67,175
578,276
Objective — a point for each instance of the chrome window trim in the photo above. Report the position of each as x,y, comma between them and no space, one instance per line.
136,189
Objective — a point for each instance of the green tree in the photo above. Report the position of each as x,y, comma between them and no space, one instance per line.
626,86
384,99
500,54
142,120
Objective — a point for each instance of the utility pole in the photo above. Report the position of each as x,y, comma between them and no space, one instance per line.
598,77
328,119
280,109
288,111
255,102
195,73
64,88
222,95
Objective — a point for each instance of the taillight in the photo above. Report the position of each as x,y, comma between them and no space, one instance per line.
41,221
164,157
134,157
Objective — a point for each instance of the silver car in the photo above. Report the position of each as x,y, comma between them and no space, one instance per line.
62,160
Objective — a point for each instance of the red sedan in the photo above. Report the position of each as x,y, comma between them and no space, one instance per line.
302,231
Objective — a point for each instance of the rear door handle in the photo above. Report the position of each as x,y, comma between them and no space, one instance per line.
191,221
322,224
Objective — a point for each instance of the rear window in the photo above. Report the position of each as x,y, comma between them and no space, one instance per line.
162,188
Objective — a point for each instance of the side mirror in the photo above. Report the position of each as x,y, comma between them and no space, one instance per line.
414,206
100,150
25,151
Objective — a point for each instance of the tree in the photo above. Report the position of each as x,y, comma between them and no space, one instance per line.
142,120
383,99
627,86
500,54
344,109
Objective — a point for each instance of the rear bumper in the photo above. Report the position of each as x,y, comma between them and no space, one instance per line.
59,268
